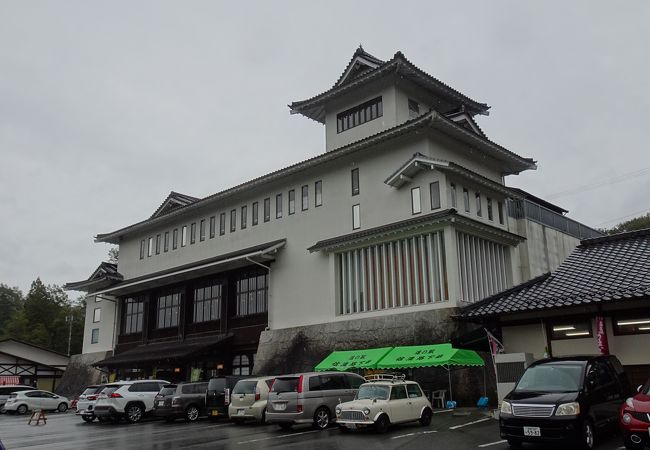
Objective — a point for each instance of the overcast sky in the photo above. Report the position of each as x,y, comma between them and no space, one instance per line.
107,106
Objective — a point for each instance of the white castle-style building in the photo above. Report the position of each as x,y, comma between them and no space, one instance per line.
404,217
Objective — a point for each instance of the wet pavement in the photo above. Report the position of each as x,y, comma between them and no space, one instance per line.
67,432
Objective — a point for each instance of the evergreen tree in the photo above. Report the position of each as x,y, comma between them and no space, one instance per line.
11,300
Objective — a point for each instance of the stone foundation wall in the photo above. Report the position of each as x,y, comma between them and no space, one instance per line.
299,349
80,373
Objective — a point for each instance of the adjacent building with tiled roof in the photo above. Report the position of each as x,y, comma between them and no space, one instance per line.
556,313
404,217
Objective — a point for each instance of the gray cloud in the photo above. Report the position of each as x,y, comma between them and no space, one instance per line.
107,106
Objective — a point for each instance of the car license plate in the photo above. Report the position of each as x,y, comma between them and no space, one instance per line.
214,412
161,403
279,406
532,431
240,412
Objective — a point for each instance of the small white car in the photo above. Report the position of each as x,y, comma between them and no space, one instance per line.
22,401
248,399
384,401
128,399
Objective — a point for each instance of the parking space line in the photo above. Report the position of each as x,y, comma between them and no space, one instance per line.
414,434
492,443
279,437
443,411
455,427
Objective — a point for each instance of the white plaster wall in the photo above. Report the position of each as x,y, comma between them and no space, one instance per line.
388,120
524,339
300,295
106,325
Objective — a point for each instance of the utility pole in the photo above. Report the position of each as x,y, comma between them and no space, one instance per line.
69,320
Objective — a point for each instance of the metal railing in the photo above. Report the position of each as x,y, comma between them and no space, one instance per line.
525,209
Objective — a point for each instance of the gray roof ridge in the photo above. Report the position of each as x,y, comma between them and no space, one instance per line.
645,232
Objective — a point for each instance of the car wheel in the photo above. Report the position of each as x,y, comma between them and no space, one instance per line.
587,435
285,426
263,418
63,407
134,413
22,409
382,424
191,413
321,418
514,443
88,419
425,419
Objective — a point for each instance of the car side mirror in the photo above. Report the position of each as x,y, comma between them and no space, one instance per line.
639,387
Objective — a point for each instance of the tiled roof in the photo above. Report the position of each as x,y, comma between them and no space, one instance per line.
446,215
163,351
105,274
600,270
420,162
360,56
173,201
312,107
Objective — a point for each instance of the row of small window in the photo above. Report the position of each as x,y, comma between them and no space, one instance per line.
161,242
251,295
359,115
478,202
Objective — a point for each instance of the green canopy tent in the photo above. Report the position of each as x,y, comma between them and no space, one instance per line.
435,355
353,359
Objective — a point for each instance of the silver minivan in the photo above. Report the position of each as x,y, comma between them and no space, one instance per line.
310,397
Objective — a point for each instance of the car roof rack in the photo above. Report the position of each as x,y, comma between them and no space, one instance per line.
392,377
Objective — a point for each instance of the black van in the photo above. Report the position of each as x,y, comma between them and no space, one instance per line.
217,397
564,400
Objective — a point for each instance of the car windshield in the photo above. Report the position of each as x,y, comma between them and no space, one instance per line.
285,385
372,391
551,378
169,389
89,390
245,387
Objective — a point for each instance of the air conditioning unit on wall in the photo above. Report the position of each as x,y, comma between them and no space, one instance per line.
510,368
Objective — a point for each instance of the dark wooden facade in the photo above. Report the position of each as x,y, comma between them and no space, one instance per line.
242,331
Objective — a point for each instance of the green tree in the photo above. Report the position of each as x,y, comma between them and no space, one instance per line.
11,300
637,223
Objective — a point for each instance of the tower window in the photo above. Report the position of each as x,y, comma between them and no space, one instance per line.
359,115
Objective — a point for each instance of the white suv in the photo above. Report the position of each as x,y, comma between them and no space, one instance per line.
128,399
383,401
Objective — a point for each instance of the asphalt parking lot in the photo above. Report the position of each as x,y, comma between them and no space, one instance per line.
67,431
